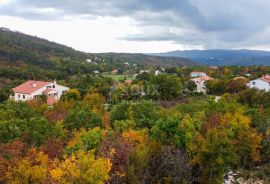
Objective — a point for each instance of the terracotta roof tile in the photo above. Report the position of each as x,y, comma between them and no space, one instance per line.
47,91
203,78
28,87
266,78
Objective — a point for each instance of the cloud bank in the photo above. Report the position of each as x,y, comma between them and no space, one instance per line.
210,23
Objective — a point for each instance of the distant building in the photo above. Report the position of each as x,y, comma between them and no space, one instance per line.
96,72
115,71
200,83
88,60
157,72
126,63
144,71
213,67
262,83
33,89
197,74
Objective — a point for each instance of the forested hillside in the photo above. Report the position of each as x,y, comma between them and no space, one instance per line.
23,56
147,60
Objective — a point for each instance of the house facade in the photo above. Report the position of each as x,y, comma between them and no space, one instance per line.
157,72
32,89
262,83
200,83
197,74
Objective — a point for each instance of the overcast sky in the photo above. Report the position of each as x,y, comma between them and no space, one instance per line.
142,25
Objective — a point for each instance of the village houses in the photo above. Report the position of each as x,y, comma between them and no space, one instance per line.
199,78
262,83
33,89
200,83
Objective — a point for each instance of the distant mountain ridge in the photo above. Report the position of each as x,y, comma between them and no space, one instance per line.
219,57
143,59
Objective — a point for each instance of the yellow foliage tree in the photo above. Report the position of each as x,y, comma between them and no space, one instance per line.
31,170
95,101
81,167
135,136
246,139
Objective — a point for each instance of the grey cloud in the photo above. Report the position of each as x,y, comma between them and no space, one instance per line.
211,23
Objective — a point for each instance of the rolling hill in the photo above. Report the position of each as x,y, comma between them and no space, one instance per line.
146,60
21,50
221,57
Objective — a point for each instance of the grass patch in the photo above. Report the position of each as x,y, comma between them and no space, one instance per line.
119,77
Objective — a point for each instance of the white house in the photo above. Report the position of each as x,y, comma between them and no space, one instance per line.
144,71
213,67
262,83
200,83
32,89
157,72
197,74
88,60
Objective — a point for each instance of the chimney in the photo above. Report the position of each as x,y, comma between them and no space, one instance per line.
34,84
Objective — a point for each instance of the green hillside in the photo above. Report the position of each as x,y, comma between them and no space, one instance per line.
23,56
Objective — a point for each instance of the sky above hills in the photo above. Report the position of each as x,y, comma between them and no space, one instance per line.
142,25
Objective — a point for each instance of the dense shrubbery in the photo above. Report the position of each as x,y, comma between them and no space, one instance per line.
133,142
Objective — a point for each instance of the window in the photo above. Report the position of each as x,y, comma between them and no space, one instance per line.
19,96
53,86
23,96
253,83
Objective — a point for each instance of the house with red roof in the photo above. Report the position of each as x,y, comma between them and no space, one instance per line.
262,83
200,83
32,89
